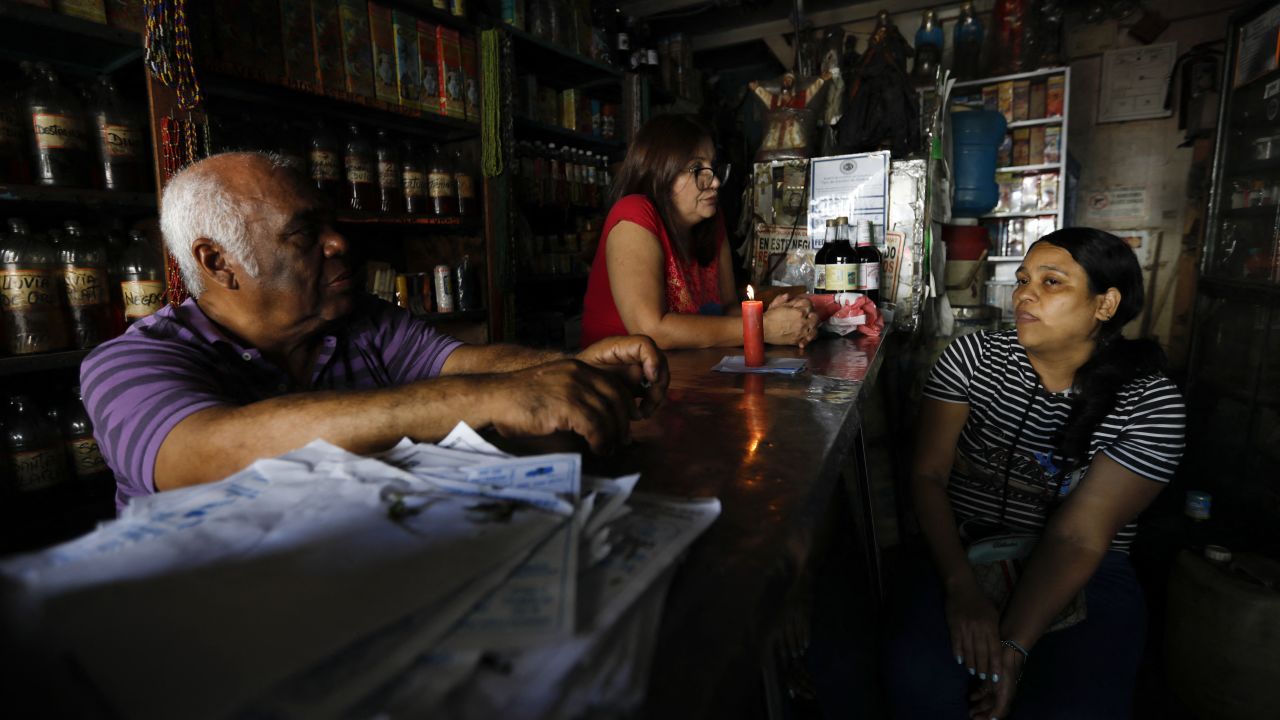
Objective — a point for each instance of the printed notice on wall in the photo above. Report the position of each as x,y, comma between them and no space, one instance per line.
1134,83
1124,206
1258,50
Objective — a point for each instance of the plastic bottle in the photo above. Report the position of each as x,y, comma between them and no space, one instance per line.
976,138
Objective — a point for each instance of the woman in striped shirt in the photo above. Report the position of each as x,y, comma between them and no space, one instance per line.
1063,429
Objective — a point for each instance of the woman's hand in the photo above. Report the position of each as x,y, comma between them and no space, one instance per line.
975,631
790,321
993,700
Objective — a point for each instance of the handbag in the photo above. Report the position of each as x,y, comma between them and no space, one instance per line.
997,563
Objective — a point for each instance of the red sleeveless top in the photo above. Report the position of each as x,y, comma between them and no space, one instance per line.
689,285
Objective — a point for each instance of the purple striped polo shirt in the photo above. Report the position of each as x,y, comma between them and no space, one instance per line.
138,386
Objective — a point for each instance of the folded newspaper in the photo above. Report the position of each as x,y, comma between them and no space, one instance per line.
326,584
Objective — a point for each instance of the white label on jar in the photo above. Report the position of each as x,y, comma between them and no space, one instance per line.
358,171
414,183
869,276
86,458
440,185
38,469
84,286
119,140
325,165
841,277
142,297
388,174
57,131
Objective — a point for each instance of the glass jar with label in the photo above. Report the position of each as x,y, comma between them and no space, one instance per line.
390,192
87,465
119,139
325,163
413,178
362,180
468,203
140,272
56,131
36,461
29,298
442,185
82,279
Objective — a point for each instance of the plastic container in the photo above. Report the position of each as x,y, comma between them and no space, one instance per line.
974,319
1000,295
976,138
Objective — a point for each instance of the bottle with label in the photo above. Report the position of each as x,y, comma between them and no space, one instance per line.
390,188
362,183
325,162
841,261
820,258
468,202
36,460
82,278
119,139
29,297
87,466
56,131
140,272
868,262
442,186
413,177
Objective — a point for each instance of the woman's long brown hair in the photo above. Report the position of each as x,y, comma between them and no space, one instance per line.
659,154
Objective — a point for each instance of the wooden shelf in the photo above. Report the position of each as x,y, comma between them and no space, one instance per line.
533,129
32,33
555,65
1045,167
39,362
143,201
452,224
246,85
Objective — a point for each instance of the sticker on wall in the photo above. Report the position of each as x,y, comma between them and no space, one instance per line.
1117,207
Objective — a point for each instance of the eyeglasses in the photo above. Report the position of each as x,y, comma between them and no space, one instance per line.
704,176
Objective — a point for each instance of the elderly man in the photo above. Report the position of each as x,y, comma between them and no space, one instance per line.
278,347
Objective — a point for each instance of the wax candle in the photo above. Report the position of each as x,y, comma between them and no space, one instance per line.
753,329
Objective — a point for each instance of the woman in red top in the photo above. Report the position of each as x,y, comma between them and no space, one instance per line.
663,265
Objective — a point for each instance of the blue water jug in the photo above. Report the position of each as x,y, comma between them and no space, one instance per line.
976,137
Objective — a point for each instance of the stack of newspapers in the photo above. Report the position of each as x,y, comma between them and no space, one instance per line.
446,580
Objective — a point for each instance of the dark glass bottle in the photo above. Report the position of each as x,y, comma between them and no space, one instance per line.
820,258
82,278
442,186
119,139
325,162
29,299
967,48
413,177
87,465
390,189
841,261
13,141
621,39
868,262
928,49
37,463
468,201
140,272
362,179
56,131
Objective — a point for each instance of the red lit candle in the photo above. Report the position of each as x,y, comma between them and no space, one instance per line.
753,329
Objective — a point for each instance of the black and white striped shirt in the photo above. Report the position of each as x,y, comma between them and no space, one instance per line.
1010,411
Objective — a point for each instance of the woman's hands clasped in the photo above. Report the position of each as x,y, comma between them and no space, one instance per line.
790,321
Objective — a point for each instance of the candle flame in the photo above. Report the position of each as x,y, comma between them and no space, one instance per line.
751,294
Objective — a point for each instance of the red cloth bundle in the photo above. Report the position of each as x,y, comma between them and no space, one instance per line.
843,313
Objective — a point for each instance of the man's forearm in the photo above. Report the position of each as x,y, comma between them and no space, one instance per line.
471,359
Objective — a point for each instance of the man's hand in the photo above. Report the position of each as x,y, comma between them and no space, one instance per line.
637,360
563,395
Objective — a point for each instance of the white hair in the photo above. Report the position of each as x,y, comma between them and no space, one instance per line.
197,204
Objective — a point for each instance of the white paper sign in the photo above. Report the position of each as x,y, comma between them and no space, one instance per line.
1135,81
853,186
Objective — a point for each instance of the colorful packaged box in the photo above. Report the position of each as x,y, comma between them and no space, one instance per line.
569,109
1030,193
408,65
452,81
1055,90
991,98
513,13
1004,181
1052,143
1006,100
357,50
268,42
126,14
1048,198
326,26
382,41
234,26
1004,154
298,41
548,106
1022,146
1035,146
471,74
428,65
1021,99
92,10
1035,110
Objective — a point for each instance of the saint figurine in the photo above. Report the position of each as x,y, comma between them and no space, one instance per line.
788,118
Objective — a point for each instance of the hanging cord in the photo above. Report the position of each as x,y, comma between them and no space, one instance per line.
1008,461
168,50
491,90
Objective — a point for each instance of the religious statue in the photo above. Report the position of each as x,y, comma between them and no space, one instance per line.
831,62
788,119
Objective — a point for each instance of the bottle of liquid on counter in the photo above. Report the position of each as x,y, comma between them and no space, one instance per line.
868,260
820,258
82,278
140,272
362,179
841,261
56,131
390,179
119,138
29,299
442,185
325,162
37,463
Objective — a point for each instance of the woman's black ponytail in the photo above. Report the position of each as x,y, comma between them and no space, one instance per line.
1116,361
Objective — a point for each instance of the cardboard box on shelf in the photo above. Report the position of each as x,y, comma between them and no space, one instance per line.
991,98
268,41
1004,155
1035,146
326,26
1005,90
382,40
408,65
1030,193
452,81
1052,143
1021,99
568,109
298,42
471,73
429,66
1048,199
1022,146
357,50
1035,108
1055,90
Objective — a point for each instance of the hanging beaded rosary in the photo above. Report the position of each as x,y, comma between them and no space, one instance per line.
168,50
